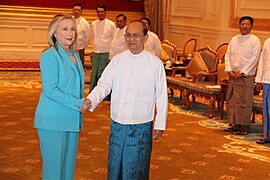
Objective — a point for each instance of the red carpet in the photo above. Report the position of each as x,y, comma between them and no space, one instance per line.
19,65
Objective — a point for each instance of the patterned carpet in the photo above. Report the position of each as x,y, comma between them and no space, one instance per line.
193,146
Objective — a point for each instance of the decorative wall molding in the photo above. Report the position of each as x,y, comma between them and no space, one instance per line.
212,9
180,35
254,8
7,38
112,5
183,8
211,23
23,30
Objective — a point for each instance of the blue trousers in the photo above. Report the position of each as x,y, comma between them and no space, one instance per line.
266,110
58,151
130,149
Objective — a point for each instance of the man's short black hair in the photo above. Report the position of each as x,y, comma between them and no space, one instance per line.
122,15
246,18
78,4
148,20
101,6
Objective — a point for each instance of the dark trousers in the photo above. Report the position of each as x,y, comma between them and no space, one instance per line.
81,54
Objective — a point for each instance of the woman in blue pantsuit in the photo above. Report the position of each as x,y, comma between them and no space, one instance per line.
58,118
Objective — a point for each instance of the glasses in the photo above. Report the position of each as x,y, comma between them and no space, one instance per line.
244,24
135,35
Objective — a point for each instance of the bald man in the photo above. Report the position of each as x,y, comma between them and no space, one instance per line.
139,99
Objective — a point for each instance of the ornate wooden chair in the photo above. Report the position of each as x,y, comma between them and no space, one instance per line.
203,67
168,48
189,48
203,70
221,51
210,58
202,79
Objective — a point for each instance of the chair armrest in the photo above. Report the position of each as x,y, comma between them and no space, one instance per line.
198,76
181,70
224,81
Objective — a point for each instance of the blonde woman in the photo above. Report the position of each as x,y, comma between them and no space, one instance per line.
58,118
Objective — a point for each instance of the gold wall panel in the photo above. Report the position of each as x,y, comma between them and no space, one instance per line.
13,36
190,8
39,37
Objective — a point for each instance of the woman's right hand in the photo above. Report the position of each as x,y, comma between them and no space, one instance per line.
87,105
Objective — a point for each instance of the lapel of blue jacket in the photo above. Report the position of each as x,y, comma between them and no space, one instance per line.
65,56
79,71
80,68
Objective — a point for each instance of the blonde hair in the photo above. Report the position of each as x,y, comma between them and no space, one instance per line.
53,27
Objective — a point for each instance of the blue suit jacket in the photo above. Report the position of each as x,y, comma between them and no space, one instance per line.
62,90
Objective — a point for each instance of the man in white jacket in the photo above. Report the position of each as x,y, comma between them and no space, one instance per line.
240,64
153,43
119,44
83,30
139,99
102,31
263,79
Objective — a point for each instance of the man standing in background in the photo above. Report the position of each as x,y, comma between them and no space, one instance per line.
118,43
240,63
102,31
153,43
83,30
263,82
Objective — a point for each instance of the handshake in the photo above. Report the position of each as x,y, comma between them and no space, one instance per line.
87,105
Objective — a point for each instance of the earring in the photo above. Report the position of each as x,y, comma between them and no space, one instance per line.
55,36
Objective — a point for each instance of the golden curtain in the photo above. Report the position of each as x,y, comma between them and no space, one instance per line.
154,11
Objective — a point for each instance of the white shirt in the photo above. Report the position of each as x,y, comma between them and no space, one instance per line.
83,33
102,33
118,44
153,44
263,71
138,84
242,54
